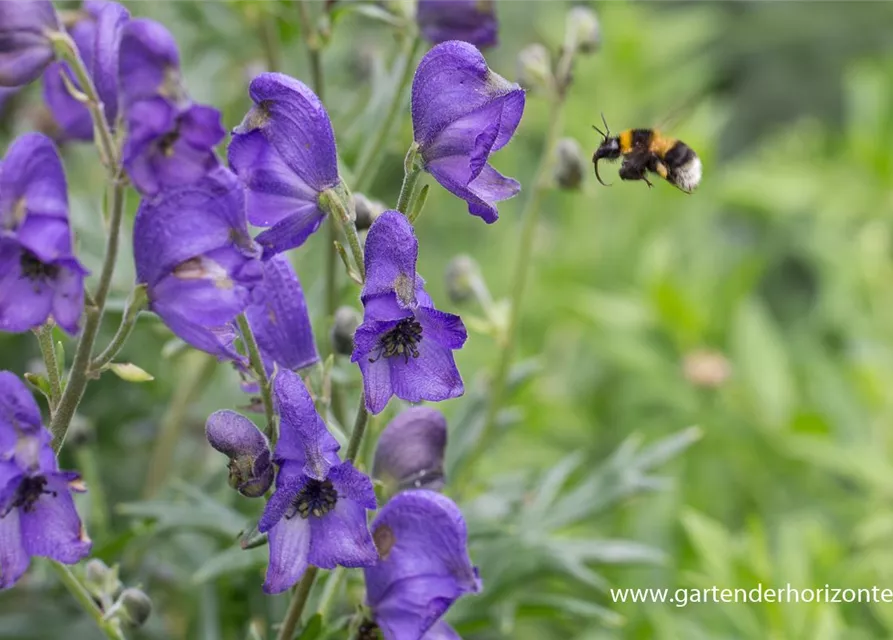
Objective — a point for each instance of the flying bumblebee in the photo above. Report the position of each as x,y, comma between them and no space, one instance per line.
646,150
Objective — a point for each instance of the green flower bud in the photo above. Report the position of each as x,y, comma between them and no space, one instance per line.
347,319
568,164
461,274
135,607
366,210
535,67
583,30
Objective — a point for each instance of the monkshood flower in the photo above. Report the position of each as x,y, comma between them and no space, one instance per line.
194,253
461,113
250,465
404,346
170,140
37,513
423,567
473,21
25,45
410,451
98,39
279,318
39,274
284,152
317,516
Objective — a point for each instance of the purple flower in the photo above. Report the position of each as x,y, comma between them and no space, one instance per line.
39,274
250,466
25,46
98,39
37,513
279,318
473,21
192,249
318,513
423,567
410,451
170,140
404,346
284,152
462,112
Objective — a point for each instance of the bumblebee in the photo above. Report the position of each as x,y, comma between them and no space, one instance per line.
645,150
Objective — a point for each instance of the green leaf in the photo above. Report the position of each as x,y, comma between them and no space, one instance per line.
130,372
313,629
232,560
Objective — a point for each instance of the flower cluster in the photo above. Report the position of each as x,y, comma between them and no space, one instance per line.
37,513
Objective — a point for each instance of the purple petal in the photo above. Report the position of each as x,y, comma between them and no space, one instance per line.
291,232
33,188
431,376
150,62
441,631
25,49
295,122
341,536
188,222
68,297
52,528
424,565
234,435
289,483
279,317
14,559
489,187
216,340
24,303
377,385
303,435
111,18
473,21
353,485
452,82
391,254
410,450
19,414
200,127
212,300
289,548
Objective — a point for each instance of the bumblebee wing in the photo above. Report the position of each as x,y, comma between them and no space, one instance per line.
679,113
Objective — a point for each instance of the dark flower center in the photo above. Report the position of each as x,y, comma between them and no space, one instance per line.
402,340
315,499
34,269
28,493
167,141
368,631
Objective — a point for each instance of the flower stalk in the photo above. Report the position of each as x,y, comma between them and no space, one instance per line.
108,627
296,606
137,301
263,381
411,174
48,351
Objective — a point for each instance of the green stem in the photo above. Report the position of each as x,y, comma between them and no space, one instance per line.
529,218
331,274
296,606
195,375
411,175
136,302
78,377
48,350
359,430
108,627
335,203
368,164
329,593
268,34
257,364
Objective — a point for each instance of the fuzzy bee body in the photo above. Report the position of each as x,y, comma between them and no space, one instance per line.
645,150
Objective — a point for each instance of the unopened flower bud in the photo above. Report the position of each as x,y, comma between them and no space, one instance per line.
461,273
535,67
410,451
706,368
135,607
347,319
568,164
101,580
366,210
583,30
250,469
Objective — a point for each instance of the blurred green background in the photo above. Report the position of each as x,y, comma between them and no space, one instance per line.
758,309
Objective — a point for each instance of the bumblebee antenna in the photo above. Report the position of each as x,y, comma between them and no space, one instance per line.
607,128
600,132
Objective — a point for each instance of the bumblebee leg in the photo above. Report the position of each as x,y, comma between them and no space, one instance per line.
647,181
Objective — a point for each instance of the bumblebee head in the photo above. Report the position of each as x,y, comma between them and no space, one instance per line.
609,149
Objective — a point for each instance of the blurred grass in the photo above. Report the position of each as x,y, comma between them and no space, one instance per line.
781,261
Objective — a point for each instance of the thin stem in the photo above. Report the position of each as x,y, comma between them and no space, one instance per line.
257,364
411,175
335,202
268,33
368,164
199,369
108,627
529,218
333,584
136,302
311,38
296,606
48,350
331,274
359,430
78,377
